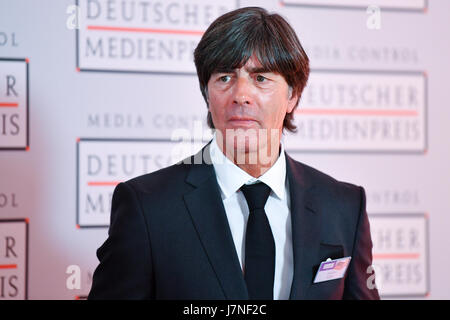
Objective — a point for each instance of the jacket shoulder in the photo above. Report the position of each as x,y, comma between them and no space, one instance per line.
164,179
331,190
328,181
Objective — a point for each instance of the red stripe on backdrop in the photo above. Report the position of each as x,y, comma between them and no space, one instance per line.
146,30
102,183
9,104
382,256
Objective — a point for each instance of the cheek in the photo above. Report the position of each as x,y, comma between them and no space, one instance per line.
217,107
215,104
276,108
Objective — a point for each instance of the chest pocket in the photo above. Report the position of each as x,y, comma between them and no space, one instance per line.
332,289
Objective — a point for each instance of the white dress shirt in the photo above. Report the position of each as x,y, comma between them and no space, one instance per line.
230,178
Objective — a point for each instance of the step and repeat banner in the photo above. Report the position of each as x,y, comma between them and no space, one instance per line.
95,92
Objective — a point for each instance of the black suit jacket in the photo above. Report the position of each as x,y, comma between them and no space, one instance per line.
169,237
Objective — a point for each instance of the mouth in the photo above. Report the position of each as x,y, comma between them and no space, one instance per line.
242,121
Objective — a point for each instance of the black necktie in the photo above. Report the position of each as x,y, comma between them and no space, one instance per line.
259,244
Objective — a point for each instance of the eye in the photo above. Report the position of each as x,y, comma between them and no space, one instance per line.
225,79
260,78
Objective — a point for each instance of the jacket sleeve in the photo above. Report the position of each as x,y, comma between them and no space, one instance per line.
356,283
125,269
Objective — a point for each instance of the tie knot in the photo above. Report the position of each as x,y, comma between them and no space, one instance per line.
256,195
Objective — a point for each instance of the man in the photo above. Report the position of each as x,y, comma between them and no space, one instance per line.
248,221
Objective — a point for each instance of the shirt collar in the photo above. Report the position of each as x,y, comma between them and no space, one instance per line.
230,177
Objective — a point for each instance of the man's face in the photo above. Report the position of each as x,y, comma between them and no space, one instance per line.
249,98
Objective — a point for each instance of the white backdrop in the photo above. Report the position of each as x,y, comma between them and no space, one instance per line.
84,108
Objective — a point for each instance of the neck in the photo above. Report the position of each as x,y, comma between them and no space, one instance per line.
258,169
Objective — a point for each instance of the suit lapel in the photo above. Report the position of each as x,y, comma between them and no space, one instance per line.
206,208
305,228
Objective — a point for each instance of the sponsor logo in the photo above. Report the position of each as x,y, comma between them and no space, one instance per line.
392,200
8,39
361,111
400,253
143,36
14,104
382,56
13,259
8,200
104,163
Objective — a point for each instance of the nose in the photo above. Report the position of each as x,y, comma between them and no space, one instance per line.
242,92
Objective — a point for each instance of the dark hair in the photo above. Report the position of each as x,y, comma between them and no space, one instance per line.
235,36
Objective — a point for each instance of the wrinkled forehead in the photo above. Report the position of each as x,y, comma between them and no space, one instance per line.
253,61
251,65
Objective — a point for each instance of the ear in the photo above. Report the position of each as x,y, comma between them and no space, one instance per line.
292,100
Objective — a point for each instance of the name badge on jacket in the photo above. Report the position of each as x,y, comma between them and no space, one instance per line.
332,269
